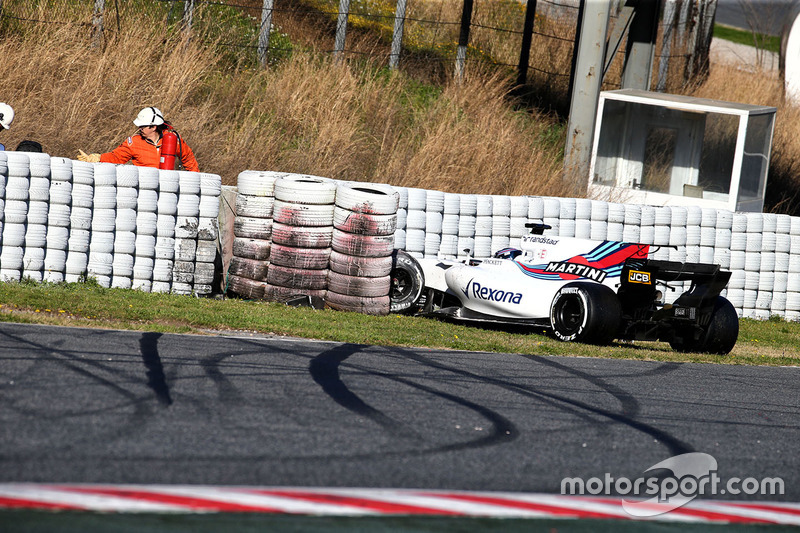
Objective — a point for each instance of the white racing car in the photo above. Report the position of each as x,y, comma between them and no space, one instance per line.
583,290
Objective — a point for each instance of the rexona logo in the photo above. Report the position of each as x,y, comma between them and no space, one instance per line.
476,290
634,276
577,269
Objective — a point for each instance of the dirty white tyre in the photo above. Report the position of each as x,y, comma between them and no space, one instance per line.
168,181
56,260
182,287
143,285
305,258
299,214
297,278
248,268
203,273
162,271
501,226
483,226
305,189
143,267
252,228
432,243
358,286
301,236
254,206
102,242
362,245
501,206
206,251
185,250
358,304
369,198
207,228
246,288
251,248
186,227
367,267
82,195
160,287
257,183
10,274
79,240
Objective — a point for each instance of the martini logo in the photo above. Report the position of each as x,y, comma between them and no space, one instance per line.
476,290
577,269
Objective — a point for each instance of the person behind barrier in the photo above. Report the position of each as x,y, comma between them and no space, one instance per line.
6,118
155,144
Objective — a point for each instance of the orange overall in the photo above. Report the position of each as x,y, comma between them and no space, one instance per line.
146,154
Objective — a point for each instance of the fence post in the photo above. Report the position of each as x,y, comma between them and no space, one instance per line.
527,37
638,69
341,27
263,35
97,23
668,22
188,15
463,39
397,35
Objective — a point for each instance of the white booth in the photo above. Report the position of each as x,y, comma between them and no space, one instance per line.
664,149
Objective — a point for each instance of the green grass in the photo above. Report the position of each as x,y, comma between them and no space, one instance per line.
770,43
773,342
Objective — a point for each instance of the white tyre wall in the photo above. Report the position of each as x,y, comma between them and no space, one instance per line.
209,206
301,236
145,245
125,220
147,201
362,245
452,203
256,183
484,205
206,251
203,274
432,244
167,203
188,205
298,214
188,183
434,201
468,205
36,236
208,228
371,199
402,193
364,223
168,181
127,176
148,178
146,223
40,189
185,250
13,234
165,225
417,198
433,222
37,212
305,189
186,227
124,242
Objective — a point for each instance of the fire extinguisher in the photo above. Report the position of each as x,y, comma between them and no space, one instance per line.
169,149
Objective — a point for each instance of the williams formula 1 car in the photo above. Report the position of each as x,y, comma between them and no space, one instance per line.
583,290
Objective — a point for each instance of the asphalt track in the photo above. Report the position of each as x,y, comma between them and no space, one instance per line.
117,407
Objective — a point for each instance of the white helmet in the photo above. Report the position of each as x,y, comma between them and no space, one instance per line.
6,115
149,116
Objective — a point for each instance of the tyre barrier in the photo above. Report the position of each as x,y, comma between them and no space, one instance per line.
103,221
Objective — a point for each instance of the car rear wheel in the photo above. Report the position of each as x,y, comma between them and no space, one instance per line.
407,282
719,336
585,312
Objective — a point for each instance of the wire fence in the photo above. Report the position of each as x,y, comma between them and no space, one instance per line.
446,35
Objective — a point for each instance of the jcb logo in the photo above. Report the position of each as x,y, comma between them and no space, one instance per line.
634,276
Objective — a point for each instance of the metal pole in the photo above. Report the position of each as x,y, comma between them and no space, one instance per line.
188,15
341,27
586,91
397,35
463,39
97,23
263,35
527,37
640,50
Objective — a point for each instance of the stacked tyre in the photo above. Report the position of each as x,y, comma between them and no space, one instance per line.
80,221
125,226
38,207
166,220
301,237
103,221
364,222
55,255
15,212
187,222
146,229
207,233
252,230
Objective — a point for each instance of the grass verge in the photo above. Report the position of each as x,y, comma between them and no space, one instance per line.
773,342
770,43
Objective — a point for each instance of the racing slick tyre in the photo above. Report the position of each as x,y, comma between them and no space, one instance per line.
585,312
719,337
407,283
